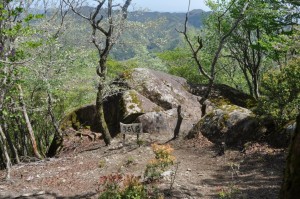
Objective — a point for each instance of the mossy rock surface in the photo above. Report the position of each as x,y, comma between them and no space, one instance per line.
230,124
126,108
224,95
134,104
167,92
79,118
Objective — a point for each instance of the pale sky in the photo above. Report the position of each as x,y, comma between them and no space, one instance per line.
169,5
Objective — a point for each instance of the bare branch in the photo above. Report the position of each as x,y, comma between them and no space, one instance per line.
222,41
98,8
70,4
194,51
63,16
199,46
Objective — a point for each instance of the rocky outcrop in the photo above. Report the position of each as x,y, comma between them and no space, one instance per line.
222,94
135,104
125,108
230,124
82,117
167,92
290,188
152,98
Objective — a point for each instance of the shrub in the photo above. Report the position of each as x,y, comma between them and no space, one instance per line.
117,186
229,193
163,159
133,188
110,186
281,89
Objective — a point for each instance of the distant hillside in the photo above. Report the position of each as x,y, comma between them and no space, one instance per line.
146,34
160,36
196,17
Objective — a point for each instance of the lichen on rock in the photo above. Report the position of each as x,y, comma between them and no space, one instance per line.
167,92
230,124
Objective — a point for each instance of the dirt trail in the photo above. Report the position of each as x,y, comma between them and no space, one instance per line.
256,173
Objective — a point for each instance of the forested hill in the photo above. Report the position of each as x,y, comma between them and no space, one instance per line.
153,32
146,32
195,17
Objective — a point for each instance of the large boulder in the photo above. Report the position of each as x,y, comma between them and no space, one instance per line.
230,124
222,94
168,92
82,117
162,121
125,108
136,104
152,98
165,90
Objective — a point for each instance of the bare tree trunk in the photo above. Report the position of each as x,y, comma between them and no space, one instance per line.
28,124
58,136
256,86
250,88
111,33
178,124
11,145
25,150
99,117
3,143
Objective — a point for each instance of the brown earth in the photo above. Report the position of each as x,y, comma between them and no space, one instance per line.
254,173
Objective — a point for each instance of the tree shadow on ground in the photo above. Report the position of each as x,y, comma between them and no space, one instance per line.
256,175
53,195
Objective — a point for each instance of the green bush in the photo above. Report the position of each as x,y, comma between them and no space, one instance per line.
163,159
281,93
117,186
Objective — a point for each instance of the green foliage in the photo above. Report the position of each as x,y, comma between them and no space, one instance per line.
179,63
110,186
163,159
229,193
16,45
130,160
117,186
133,188
102,163
281,89
264,35
115,68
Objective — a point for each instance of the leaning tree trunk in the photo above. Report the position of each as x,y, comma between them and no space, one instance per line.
178,124
28,124
99,117
256,86
291,185
250,87
11,145
57,141
3,143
